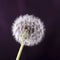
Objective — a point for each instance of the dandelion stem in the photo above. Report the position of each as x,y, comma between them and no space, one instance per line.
19,52
24,36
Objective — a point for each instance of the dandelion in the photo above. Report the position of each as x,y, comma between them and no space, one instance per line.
27,30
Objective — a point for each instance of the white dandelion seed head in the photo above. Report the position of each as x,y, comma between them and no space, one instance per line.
33,24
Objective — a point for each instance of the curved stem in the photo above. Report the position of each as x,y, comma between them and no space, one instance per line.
19,52
24,36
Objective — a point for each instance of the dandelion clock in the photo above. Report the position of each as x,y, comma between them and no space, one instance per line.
27,30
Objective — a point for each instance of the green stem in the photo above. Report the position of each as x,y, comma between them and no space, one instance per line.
19,52
24,36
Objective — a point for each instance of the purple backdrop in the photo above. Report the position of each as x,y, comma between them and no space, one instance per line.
48,11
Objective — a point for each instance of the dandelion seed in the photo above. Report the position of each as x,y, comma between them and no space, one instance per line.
28,30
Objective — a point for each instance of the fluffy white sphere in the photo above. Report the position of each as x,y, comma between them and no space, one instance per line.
33,25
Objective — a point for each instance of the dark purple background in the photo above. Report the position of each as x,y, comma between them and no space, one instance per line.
48,11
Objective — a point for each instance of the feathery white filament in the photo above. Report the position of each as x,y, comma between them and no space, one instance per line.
33,25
